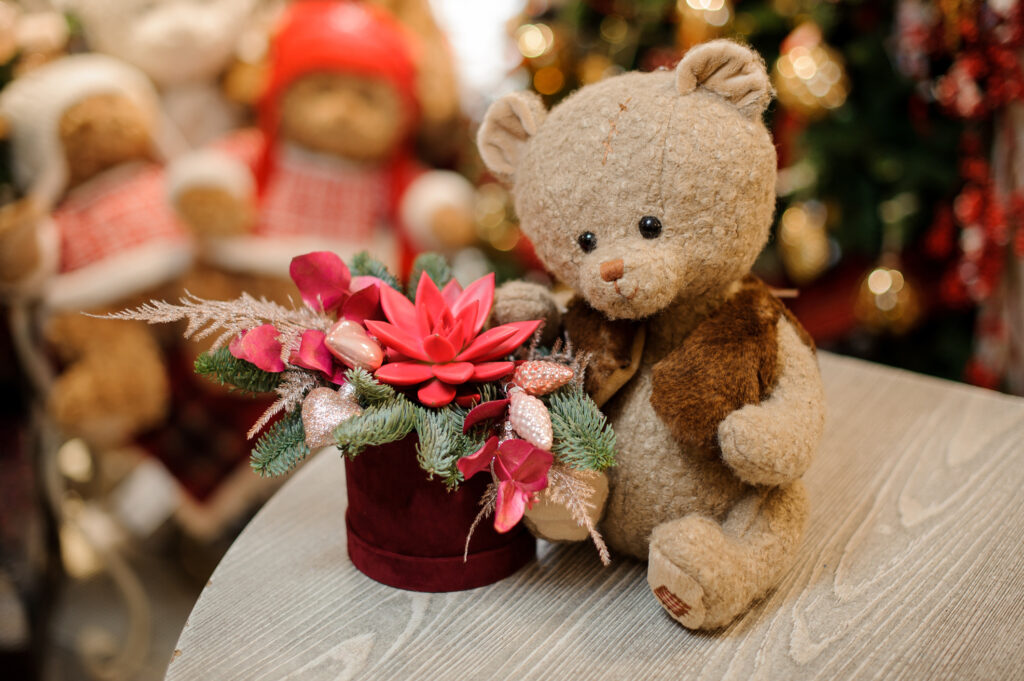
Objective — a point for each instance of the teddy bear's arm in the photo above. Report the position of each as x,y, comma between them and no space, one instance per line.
772,443
213,192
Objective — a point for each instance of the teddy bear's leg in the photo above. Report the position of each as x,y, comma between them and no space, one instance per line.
705,573
115,383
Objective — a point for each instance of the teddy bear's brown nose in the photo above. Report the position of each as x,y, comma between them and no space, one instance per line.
612,270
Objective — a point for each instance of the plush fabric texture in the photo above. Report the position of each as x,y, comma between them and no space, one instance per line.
729,361
610,346
717,405
517,301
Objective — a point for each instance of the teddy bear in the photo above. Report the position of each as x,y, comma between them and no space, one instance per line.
182,45
331,166
92,231
651,195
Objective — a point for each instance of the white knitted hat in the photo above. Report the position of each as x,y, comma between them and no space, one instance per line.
34,103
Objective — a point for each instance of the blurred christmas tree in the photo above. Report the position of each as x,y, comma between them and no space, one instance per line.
870,154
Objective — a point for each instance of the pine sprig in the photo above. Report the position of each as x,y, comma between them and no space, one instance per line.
369,390
379,424
221,366
583,438
437,451
282,447
365,265
434,266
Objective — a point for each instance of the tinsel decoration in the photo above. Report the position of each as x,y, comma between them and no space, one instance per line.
538,377
530,418
323,410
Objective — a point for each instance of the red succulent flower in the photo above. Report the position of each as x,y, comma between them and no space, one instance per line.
522,471
437,342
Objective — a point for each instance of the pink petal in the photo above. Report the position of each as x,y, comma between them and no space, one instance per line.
487,410
479,460
485,343
451,292
510,506
436,394
532,474
338,377
399,310
482,292
512,454
365,281
467,399
313,353
521,333
397,338
362,305
322,279
455,373
489,371
261,347
404,373
438,349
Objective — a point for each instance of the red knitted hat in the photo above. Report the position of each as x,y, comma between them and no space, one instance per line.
340,36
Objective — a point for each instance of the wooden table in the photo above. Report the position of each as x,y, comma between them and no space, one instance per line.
913,568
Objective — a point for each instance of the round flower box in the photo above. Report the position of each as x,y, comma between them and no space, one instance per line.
409,532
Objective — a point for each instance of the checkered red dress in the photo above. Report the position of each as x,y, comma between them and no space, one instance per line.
116,212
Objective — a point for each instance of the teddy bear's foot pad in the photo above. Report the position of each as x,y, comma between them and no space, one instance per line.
680,595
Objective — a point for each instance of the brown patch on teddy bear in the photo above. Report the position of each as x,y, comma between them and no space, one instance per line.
102,131
613,348
728,361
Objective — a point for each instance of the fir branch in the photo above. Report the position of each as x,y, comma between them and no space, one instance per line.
379,424
282,447
434,266
440,444
292,389
365,265
488,502
221,366
583,438
230,317
369,390
573,489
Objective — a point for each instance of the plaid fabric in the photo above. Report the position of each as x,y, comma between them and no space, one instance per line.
307,198
116,212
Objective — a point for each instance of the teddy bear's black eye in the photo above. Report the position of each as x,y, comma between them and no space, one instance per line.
587,241
650,227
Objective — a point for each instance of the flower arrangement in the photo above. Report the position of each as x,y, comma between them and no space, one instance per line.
362,363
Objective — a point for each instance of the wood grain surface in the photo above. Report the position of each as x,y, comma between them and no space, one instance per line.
913,568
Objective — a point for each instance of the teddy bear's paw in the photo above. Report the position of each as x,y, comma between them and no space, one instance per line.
679,593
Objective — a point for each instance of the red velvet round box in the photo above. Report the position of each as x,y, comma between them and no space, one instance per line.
408,531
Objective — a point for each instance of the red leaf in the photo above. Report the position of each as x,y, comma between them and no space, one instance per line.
362,305
482,346
510,506
455,373
487,410
489,371
438,349
404,373
451,292
313,353
397,338
480,291
436,394
522,332
260,347
399,310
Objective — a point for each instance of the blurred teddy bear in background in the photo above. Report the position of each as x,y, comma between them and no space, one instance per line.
182,45
93,232
332,166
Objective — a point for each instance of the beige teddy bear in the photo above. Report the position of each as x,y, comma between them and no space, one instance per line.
651,194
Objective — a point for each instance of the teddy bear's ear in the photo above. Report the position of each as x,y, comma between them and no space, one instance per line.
729,69
507,128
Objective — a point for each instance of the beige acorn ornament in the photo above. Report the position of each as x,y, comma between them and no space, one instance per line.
539,377
323,410
530,419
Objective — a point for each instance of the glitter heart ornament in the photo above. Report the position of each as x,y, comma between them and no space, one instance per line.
323,410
